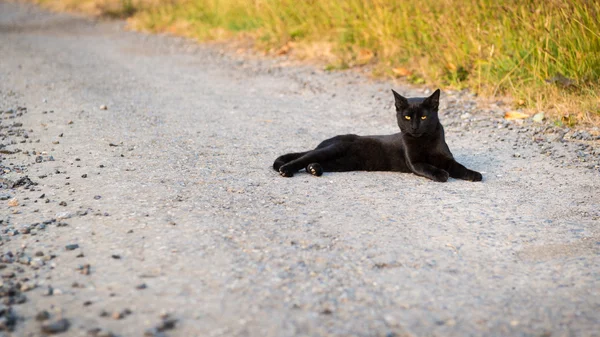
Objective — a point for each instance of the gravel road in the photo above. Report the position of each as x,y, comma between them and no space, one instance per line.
138,199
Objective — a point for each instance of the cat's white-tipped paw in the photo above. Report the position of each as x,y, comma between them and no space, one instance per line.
284,172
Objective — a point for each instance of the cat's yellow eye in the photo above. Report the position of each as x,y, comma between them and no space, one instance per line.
407,118
423,117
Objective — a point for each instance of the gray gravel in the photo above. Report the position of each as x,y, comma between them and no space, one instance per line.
178,140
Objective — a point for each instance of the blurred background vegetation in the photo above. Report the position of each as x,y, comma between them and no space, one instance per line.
542,55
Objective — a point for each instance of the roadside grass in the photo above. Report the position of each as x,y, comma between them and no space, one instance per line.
543,55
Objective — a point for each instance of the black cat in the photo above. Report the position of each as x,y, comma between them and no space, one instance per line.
420,148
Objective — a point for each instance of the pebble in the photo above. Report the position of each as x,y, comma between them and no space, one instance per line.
28,286
42,315
85,269
97,332
538,117
141,286
5,196
24,260
49,291
55,327
71,246
63,203
13,202
63,215
103,107
37,263
8,319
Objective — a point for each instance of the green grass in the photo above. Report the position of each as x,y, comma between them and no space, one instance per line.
544,54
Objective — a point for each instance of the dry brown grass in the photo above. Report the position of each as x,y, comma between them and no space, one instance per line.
544,55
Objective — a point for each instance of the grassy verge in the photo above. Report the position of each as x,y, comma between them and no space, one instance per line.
545,55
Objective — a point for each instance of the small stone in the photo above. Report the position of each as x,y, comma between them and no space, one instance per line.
117,315
39,253
70,122
141,286
26,286
85,269
105,333
84,176
8,274
97,332
116,256
167,324
55,142
71,246
42,315
13,202
49,291
87,303
538,117
5,196
63,215
93,332
37,262
24,260
97,197
103,107
59,326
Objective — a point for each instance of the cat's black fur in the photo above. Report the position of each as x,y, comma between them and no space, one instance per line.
420,148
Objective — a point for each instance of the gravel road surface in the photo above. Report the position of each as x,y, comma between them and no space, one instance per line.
138,199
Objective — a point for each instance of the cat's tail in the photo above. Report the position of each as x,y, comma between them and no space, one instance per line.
286,158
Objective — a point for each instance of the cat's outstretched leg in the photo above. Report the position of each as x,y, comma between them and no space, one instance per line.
286,158
311,160
430,171
458,171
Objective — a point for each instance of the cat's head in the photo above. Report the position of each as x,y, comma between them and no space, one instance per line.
417,115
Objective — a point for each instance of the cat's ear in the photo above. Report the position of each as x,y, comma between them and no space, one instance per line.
401,102
433,101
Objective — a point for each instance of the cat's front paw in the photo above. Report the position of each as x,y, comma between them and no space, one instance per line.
284,171
475,176
440,176
315,169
